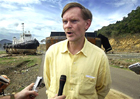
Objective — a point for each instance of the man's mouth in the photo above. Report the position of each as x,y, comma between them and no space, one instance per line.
68,32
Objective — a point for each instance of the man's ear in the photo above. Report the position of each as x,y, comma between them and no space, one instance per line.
88,23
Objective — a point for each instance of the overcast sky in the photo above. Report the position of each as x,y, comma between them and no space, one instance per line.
40,17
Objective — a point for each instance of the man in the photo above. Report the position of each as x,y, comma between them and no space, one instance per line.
85,65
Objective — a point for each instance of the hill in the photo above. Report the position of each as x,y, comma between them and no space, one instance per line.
4,41
129,25
124,35
125,43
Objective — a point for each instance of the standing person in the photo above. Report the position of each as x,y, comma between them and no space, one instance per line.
85,65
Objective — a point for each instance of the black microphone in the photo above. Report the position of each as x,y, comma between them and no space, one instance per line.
62,83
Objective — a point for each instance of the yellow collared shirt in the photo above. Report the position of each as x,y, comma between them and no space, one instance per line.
88,71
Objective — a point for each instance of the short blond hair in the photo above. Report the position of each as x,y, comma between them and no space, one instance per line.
86,14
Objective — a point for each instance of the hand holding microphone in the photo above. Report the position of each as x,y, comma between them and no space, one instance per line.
61,86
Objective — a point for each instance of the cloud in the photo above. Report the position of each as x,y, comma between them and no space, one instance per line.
54,1
43,16
118,3
23,2
8,6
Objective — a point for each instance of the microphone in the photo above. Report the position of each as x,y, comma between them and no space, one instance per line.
62,83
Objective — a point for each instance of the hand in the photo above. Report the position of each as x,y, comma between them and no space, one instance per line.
59,97
3,86
27,93
6,77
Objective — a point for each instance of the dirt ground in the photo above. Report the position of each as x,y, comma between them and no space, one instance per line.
21,76
19,73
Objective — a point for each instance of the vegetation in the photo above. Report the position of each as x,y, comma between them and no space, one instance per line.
129,25
123,63
2,52
23,70
28,61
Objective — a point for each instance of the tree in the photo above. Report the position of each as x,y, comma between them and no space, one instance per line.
130,24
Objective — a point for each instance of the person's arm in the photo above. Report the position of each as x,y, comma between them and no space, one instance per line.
104,78
46,70
26,93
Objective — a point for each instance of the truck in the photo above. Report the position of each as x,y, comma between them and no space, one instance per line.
92,37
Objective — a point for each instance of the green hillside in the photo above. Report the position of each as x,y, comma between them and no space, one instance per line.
129,25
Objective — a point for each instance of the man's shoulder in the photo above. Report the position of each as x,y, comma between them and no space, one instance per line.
95,48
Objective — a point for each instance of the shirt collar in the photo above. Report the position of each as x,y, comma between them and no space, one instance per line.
65,48
83,50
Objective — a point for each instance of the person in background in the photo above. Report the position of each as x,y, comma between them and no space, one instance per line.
85,65
26,93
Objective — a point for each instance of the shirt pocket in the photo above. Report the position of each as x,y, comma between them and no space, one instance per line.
87,86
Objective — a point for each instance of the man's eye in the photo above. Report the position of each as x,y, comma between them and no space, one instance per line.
64,22
74,21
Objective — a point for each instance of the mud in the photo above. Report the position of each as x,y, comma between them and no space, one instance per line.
20,75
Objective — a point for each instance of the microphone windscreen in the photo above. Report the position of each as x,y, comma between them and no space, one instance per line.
63,77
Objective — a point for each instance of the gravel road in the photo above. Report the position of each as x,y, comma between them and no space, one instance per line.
125,81
124,55
42,92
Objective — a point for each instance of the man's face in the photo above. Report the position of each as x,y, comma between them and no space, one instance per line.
74,25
